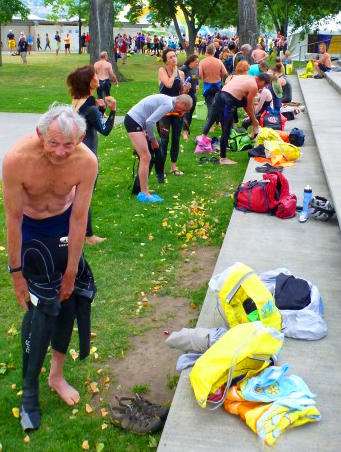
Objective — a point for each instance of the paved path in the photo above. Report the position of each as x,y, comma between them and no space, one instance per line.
311,250
16,125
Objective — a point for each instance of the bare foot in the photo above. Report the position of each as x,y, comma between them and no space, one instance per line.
93,240
64,390
185,135
225,161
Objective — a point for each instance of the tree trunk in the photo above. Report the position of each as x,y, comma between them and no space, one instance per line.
101,33
0,47
248,28
192,34
79,34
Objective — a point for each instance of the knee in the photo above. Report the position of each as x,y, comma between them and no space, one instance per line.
145,158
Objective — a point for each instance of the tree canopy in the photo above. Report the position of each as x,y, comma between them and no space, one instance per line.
9,8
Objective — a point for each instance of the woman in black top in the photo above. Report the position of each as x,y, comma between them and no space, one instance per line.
191,69
82,83
171,82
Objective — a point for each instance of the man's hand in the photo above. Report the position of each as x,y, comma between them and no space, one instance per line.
20,289
111,102
68,283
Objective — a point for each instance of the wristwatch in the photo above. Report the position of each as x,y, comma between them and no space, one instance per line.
14,270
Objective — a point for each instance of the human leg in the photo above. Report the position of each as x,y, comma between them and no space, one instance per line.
188,117
139,141
226,117
175,144
163,127
213,115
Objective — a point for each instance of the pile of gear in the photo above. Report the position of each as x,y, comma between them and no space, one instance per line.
236,366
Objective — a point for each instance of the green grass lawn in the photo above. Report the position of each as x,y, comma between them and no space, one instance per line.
145,243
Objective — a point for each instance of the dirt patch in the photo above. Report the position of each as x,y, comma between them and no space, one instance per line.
151,362
198,271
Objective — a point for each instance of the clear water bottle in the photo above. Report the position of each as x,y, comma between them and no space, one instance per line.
251,310
307,195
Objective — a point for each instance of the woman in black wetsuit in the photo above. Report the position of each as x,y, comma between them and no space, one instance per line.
171,83
82,83
191,69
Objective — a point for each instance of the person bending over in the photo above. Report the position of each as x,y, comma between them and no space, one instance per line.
48,178
238,92
140,124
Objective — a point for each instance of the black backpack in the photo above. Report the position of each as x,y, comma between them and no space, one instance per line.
296,137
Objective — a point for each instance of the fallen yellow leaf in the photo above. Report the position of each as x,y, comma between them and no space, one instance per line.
192,306
27,439
13,386
19,392
100,371
106,380
2,248
15,412
96,355
104,413
104,426
0,447
88,408
99,447
93,350
92,335
85,445
12,331
74,411
74,354
94,387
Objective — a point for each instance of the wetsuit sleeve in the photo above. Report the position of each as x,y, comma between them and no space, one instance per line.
159,113
95,117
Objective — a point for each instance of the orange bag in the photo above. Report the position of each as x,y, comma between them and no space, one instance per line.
283,135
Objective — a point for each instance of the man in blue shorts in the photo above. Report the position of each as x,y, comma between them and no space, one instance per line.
323,64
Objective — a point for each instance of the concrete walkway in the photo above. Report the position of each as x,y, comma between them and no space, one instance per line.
323,102
15,125
311,250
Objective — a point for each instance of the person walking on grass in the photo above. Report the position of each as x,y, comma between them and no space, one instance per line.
105,74
22,48
47,39
140,124
58,42
48,178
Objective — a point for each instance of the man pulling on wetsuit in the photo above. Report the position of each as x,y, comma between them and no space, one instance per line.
140,124
238,92
211,71
104,72
48,179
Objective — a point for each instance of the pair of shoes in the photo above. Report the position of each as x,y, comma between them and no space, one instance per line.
177,172
138,415
144,406
132,419
205,160
142,197
318,76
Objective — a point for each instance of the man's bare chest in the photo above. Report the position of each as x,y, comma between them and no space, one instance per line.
47,181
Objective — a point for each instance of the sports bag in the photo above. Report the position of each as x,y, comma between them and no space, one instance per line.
273,120
267,197
240,141
240,353
296,137
238,287
287,150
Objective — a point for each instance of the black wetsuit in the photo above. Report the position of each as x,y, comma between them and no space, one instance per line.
174,121
287,90
194,74
94,123
44,256
224,108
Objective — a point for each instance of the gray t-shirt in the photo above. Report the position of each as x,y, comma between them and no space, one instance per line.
150,110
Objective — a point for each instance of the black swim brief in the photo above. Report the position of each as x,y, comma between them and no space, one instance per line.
324,68
131,125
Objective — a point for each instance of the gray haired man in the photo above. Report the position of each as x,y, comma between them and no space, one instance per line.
48,179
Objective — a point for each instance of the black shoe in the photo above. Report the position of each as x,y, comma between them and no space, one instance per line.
132,419
144,406
318,76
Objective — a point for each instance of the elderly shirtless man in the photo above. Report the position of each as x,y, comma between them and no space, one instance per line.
104,73
211,71
48,179
238,92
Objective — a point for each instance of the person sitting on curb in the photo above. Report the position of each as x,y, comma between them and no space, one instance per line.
140,120
323,64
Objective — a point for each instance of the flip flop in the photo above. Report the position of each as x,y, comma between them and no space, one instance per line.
267,168
214,160
203,160
177,172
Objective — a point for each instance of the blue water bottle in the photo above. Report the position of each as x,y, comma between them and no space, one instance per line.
187,81
307,195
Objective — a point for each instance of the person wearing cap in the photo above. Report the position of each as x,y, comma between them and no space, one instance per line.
11,42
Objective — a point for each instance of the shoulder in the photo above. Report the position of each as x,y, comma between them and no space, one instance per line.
23,150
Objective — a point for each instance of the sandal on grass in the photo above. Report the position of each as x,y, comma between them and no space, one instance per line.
203,160
177,172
